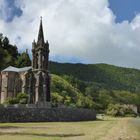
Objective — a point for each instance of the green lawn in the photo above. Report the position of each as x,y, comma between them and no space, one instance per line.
107,129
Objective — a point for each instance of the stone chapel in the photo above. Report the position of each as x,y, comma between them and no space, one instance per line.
34,80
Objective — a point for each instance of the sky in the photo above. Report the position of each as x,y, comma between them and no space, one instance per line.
78,31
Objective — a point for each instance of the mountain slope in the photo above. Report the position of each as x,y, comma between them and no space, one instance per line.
111,76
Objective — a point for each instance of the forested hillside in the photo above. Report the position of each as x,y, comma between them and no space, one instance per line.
108,76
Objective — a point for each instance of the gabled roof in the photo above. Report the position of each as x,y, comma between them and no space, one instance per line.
14,69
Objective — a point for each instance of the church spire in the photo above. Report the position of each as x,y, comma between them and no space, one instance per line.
40,33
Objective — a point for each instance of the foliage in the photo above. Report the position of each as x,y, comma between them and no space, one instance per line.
104,83
95,95
1,105
23,60
63,87
11,100
21,98
119,110
85,102
57,99
126,97
75,82
104,98
64,93
109,76
9,55
4,57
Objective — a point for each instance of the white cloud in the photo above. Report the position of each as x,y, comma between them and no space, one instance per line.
78,28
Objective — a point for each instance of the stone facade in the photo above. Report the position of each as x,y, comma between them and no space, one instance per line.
34,80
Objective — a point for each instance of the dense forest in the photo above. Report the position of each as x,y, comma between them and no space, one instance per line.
107,76
103,87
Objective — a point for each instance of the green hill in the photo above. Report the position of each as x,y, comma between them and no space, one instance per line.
97,86
65,93
109,76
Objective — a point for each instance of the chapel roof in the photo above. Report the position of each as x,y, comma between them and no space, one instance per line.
14,69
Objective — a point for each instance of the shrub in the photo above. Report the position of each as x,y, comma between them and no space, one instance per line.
119,110
22,98
85,102
1,105
11,100
130,113
22,95
57,98
67,100
23,101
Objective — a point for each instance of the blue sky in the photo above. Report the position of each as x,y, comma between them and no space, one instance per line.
125,9
79,31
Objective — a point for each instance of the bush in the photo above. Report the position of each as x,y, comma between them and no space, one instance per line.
119,110
57,98
22,95
23,101
85,102
22,98
11,100
130,113
67,100
1,105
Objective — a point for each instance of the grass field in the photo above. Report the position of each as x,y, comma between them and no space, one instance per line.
107,129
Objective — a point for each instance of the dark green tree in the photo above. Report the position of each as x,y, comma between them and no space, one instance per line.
23,60
8,52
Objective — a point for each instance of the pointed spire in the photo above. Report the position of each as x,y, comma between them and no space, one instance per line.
40,34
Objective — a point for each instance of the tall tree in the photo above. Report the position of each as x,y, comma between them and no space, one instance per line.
23,60
8,53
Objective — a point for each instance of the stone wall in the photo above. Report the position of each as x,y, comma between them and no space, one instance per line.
45,114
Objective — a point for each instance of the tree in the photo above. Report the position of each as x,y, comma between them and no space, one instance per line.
105,99
5,58
125,97
57,98
85,102
8,52
67,100
23,60
119,110
5,42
